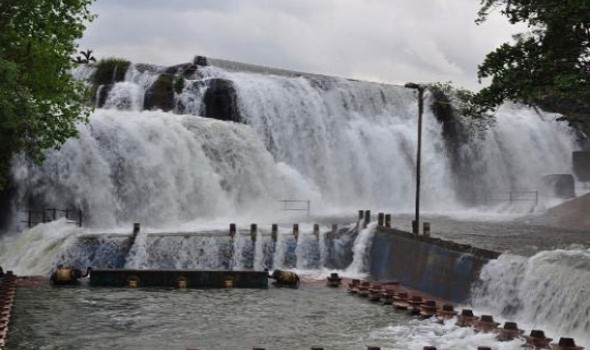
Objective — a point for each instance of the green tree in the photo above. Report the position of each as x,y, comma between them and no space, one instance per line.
40,102
547,66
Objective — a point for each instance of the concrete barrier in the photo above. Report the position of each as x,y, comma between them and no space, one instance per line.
178,278
440,268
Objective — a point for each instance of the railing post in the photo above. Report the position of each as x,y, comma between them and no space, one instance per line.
426,229
29,221
274,232
296,231
232,231
253,232
316,231
380,219
80,216
367,218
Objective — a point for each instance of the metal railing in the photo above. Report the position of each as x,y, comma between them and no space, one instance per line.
515,196
35,217
296,205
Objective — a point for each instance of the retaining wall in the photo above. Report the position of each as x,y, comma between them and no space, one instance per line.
440,268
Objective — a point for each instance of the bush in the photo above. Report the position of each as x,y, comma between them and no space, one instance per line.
110,70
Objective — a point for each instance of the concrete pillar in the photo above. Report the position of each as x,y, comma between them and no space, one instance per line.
361,215
232,231
380,219
367,218
387,220
296,231
253,232
136,229
426,229
316,231
274,232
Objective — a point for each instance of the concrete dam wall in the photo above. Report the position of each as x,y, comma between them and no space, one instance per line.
443,269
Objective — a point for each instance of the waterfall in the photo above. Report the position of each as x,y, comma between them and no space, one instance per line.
154,168
338,143
341,144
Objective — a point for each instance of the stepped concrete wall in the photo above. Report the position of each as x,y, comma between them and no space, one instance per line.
443,269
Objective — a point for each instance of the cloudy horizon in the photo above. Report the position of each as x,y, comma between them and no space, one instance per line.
390,41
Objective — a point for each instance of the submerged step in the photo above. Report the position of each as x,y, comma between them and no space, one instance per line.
178,278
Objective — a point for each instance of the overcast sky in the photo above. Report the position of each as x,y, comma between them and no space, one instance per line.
390,41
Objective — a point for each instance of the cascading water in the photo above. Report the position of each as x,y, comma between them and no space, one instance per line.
340,144
360,250
546,291
154,167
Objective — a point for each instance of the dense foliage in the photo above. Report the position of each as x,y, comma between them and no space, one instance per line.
40,102
548,66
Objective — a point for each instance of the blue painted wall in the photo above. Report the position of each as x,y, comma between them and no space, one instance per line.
442,269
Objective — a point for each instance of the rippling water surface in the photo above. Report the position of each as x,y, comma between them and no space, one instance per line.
277,318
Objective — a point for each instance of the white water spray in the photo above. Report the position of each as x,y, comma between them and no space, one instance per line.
360,250
546,291
36,251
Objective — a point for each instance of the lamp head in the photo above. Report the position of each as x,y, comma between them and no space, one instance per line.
413,86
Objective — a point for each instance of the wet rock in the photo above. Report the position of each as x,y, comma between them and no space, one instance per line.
161,94
221,100
101,94
200,61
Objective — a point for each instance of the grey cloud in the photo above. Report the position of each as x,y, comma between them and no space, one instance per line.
385,40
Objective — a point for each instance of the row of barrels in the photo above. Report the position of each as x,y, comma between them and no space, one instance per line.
391,294
7,291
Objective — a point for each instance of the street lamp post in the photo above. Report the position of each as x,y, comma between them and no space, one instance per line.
420,88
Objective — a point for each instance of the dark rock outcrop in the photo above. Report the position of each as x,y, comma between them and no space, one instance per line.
186,70
101,94
221,100
161,94
455,136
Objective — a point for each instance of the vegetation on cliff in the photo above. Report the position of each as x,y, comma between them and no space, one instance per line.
110,70
40,102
